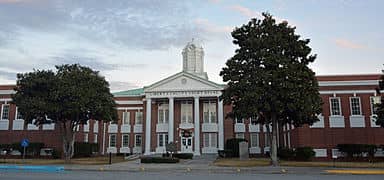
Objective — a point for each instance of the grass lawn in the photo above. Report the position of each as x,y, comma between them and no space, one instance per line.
82,161
235,162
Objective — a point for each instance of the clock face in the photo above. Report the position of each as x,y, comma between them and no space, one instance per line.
183,81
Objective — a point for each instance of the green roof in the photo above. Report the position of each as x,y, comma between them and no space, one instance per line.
132,92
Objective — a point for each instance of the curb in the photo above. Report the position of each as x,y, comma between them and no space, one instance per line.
356,171
32,168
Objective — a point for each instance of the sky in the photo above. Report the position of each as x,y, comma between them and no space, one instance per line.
134,43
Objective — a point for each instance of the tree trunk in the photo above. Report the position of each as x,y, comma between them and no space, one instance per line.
274,141
68,141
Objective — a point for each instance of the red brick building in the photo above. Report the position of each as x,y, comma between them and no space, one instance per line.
184,108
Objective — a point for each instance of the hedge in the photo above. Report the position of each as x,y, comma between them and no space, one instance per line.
231,147
84,149
32,149
352,150
286,153
179,155
159,160
300,153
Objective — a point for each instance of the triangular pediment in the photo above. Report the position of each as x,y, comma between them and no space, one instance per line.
183,81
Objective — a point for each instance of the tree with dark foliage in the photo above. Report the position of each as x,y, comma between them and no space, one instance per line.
269,78
68,97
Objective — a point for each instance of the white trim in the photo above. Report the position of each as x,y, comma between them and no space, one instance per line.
350,92
129,108
129,102
349,83
7,92
6,100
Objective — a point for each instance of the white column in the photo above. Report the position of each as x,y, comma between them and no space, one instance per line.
197,127
171,120
221,124
148,128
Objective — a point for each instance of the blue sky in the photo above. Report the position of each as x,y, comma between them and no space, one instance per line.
137,42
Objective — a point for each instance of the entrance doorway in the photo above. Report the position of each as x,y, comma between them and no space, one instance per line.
186,144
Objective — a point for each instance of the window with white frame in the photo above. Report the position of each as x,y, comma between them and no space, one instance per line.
266,140
139,118
335,106
138,141
254,120
210,140
239,135
86,137
209,112
112,140
355,105
5,112
254,138
18,114
125,140
163,113
374,100
94,138
186,112
162,139
126,117
239,120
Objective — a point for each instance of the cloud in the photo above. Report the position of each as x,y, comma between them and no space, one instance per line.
120,85
206,26
214,1
133,24
344,43
245,11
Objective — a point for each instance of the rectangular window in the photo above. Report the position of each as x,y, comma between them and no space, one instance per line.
240,135
355,105
254,120
5,112
18,114
138,140
266,140
139,118
209,112
374,100
112,140
162,140
210,140
125,140
254,139
186,112
163,113
335,106
126,117
94,138
239,120
86,137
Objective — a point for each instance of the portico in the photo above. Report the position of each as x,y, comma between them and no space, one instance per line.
184,117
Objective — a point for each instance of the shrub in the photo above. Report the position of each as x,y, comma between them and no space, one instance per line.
183,155
232,145
286,153
83,149
352,150
304,153
56,154
158,160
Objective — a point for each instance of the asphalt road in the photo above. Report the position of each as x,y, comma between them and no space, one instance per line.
95,175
